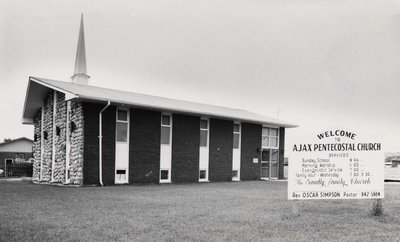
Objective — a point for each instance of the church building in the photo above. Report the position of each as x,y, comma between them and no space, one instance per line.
88,135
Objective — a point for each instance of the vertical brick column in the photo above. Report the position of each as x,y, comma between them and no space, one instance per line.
221,148
144,146
91,144
251,141
281,153
185,148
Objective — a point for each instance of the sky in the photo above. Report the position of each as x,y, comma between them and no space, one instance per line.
317,64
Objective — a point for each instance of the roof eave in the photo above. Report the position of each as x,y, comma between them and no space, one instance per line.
154,107
26,118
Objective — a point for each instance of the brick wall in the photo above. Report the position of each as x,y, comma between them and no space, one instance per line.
281,153
144,156
251,141
185,148
221,146
91,144
14,156
144,146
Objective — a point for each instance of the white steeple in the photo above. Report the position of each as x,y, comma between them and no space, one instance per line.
80,76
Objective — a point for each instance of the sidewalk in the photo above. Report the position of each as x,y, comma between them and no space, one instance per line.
15,179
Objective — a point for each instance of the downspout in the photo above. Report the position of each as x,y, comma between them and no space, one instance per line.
100,142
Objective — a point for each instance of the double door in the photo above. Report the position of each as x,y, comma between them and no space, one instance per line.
269,164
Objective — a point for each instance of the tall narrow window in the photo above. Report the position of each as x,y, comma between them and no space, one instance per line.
270,137
236,152
165,147
203,132
122,126
165,129
236,136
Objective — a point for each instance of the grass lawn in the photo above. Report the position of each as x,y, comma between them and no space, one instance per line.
239,211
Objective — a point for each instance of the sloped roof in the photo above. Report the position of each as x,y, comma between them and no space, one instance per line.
38,87
16,140
20,145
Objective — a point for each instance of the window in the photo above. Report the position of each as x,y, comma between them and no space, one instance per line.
235,174
203,174
45,135
122,125
165,129
236,136
203,132
270,137
72,126
58,131
164,174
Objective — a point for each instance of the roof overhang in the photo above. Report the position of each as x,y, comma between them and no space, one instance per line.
274,123
39,87
35,95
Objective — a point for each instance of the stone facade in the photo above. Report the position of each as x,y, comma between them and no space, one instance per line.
76,140
36,146
47,138
43,164
60,139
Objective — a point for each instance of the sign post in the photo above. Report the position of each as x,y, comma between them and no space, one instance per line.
336,164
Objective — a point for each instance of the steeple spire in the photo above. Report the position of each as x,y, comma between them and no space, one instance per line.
80,76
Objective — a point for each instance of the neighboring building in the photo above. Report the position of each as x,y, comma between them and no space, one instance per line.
88,135
392,166
15,151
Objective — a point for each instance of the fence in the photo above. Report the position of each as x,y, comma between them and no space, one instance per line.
19,169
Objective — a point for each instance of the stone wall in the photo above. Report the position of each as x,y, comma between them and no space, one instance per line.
36,146
48,138
60,139
42,171
76,140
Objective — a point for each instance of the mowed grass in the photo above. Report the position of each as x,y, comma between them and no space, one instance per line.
235,211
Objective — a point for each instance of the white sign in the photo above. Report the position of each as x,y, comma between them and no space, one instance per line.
255,160
336,164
